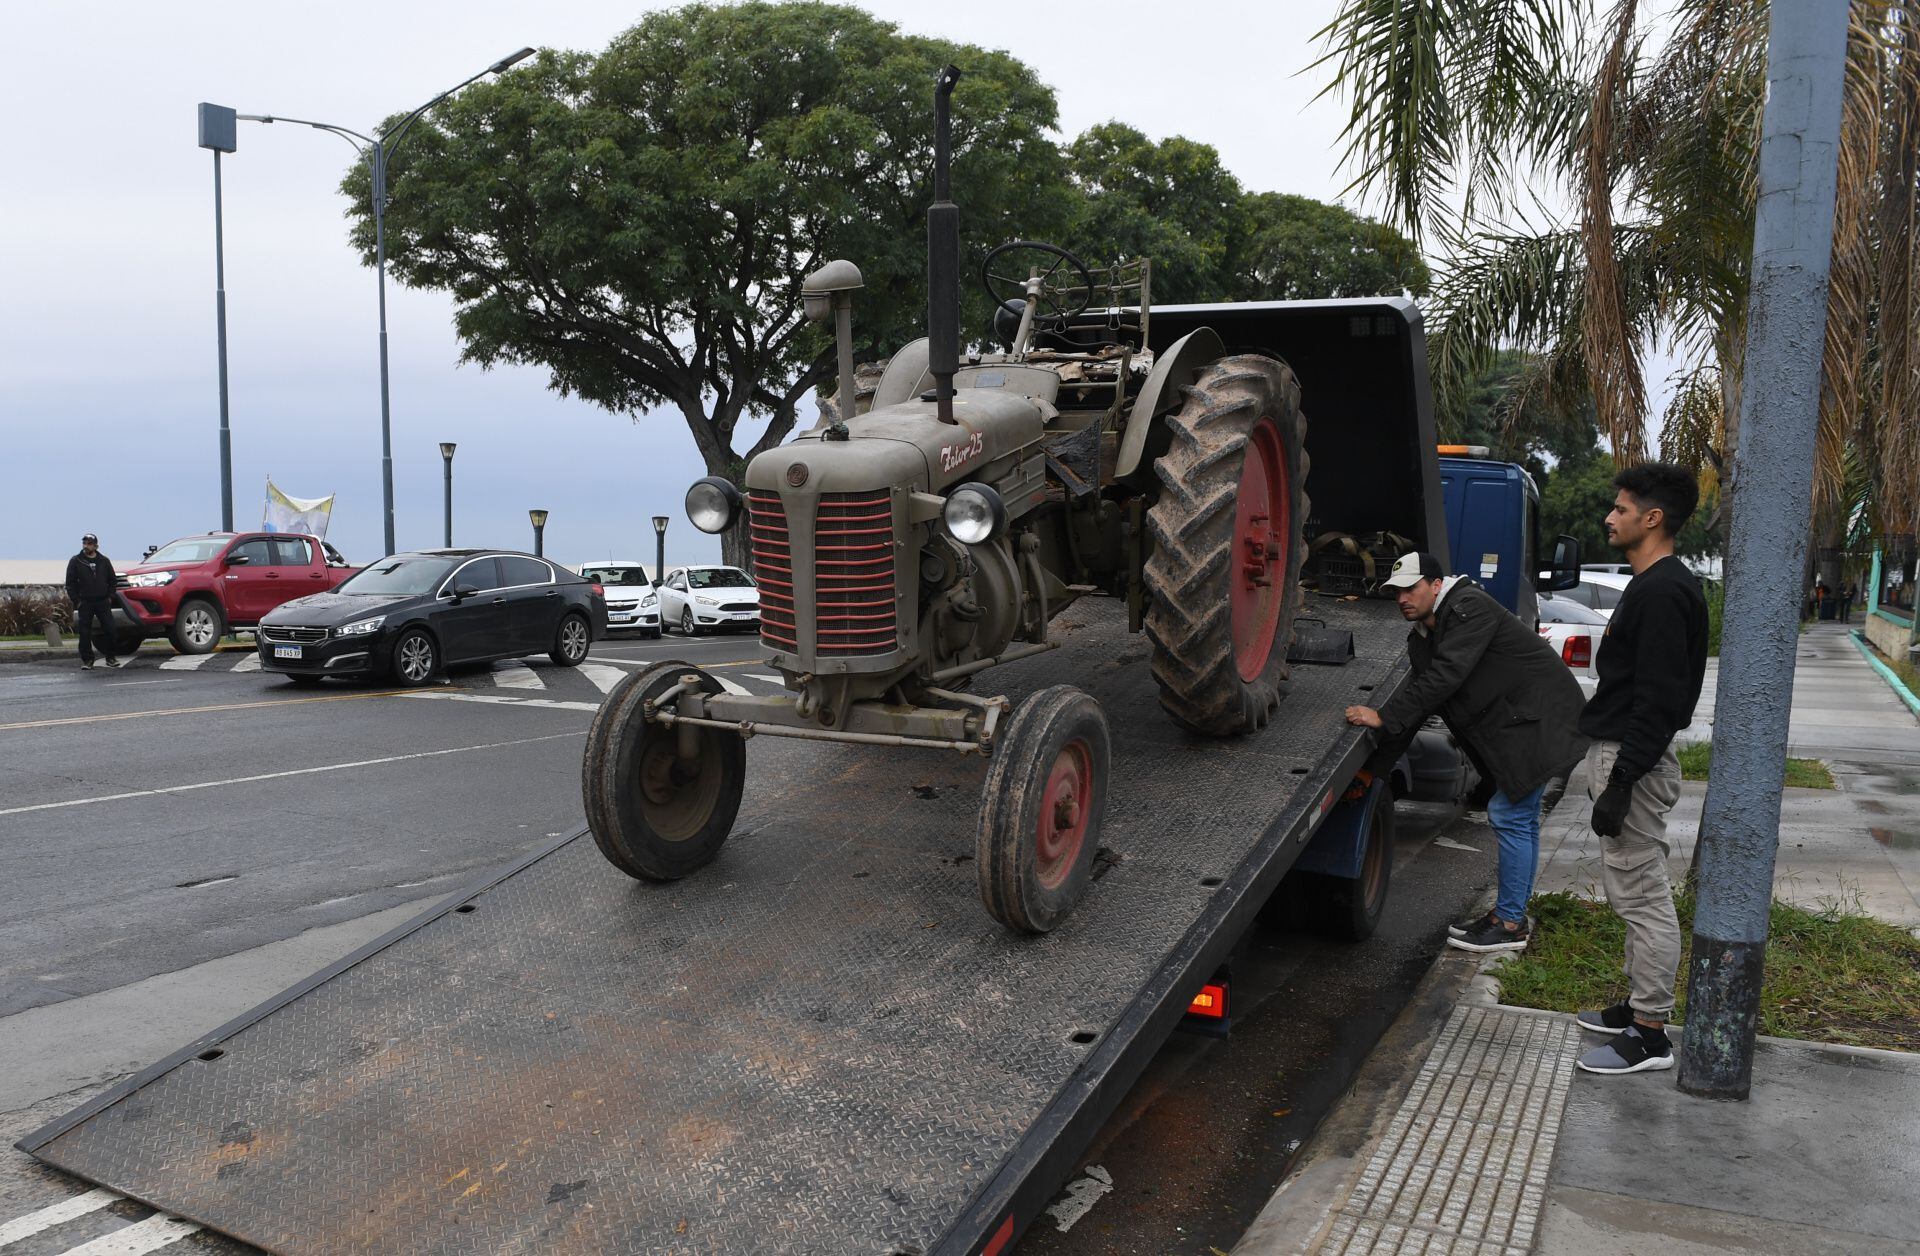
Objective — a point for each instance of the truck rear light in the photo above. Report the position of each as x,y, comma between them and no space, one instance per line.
1578,651
1211,1002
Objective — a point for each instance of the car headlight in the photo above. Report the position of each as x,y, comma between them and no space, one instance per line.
360,627
974,513
152,579
706,601
651,599
713,503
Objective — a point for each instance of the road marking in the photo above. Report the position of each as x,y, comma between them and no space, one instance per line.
1450,844
734,686
185,662
251,663
54,1214
763,676
603,677
224,706
606,658
517,675
274,776
150,1235
1078,1197
501,699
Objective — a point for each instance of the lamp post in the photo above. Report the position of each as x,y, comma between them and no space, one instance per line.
539,518
217,132
659,547
377,152
446,455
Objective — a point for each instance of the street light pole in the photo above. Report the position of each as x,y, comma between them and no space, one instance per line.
378,154
659,547
446,455
218,132
539,518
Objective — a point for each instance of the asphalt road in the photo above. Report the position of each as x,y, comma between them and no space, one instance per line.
185,835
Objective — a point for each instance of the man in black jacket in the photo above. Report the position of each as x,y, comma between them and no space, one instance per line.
1508,697
90,587
1651,663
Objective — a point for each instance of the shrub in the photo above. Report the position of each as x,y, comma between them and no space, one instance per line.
23,609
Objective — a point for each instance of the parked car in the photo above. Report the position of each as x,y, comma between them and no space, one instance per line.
632,599
1610,569
694,599
410,615
1598,590
198,588
1574,630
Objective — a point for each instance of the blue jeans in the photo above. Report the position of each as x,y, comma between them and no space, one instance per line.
1517,821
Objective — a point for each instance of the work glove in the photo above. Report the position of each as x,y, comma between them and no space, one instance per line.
1610,809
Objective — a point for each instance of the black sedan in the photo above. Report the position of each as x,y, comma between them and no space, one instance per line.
410,615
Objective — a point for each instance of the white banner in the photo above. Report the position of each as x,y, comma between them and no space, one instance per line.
296,514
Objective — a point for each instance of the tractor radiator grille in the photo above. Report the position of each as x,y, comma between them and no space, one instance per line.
853,568
772,569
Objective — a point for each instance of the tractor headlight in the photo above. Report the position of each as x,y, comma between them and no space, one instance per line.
713,504
975,513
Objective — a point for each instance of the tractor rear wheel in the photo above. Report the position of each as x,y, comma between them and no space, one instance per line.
654,814
1223,580
1040,809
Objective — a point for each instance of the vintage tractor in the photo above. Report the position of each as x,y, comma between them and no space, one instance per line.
904,550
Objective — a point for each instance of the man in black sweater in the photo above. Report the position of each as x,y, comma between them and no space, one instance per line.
90,587
1652,661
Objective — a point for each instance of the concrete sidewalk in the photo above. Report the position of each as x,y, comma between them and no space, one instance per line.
1469,1132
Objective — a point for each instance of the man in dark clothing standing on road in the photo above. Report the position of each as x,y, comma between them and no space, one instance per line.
90,587
1510,700
1651,663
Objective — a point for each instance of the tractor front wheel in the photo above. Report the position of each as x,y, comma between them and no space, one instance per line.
1223,580
1041,807
656,813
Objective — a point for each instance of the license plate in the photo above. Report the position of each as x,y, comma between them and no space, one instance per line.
286,651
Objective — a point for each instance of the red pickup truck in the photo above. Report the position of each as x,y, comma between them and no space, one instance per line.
197,588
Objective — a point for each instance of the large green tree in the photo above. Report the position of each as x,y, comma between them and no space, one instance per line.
638,221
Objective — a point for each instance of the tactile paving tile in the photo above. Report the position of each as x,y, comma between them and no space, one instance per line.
819,1043
1462,1168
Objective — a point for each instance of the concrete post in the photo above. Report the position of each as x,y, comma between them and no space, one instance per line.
1767,541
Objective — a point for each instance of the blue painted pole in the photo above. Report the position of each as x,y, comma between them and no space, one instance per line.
1767,541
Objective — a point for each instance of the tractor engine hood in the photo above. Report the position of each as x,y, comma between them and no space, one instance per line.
906,446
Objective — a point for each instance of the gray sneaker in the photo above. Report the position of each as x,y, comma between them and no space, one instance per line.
1608,1020
1634,1049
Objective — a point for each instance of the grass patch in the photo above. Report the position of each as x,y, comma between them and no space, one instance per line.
1903,668
1696,761
1832,975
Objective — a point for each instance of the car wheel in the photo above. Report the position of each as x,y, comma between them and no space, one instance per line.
687,624
571,641
415,659
198,627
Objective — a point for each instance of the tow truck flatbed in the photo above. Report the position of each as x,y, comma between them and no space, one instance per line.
817,1044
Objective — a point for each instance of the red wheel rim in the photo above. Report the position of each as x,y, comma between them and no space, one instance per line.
1061,827
1262,530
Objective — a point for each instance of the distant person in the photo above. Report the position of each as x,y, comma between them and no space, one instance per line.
1847,593
1508,697
1651,664
90,587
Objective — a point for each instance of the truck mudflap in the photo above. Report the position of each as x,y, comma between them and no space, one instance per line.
817,1044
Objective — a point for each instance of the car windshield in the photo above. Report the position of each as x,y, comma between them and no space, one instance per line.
196,549
403,573
719,578
1560,610
618,575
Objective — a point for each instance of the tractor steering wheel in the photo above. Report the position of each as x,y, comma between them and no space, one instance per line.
1055,303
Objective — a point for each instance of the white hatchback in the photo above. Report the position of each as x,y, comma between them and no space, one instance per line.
696,599
1574,630
632,601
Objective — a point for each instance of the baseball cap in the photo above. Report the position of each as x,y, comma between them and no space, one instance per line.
1411,569
89,537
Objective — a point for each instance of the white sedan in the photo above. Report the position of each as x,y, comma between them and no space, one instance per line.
695,599
1574,630
632,601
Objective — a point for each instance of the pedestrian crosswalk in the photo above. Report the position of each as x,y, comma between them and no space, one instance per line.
81,1212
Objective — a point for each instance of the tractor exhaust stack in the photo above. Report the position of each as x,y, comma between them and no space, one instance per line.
943,253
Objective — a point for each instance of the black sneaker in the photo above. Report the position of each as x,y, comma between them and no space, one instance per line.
86,665
112,662
1493,936
1608,1020
1635,1049
1472,924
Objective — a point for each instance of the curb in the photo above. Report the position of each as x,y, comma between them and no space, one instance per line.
1887,674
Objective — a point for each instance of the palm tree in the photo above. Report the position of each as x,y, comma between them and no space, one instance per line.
1627,152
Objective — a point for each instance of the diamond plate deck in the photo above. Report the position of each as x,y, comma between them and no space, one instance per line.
819,1044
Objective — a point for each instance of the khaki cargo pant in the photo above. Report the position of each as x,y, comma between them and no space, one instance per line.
1634,872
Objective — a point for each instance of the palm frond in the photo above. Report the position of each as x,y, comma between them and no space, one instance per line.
1612,352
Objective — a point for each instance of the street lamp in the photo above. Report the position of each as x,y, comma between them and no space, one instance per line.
377,152
539,518
446,454
217,132
659,547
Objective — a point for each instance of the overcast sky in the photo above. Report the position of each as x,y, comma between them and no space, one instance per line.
107,348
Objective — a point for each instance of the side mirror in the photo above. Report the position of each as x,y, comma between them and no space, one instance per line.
1564,573
461,592
238,560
